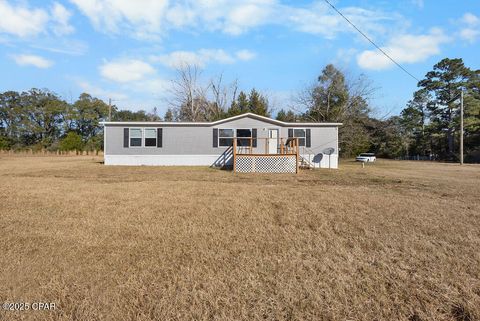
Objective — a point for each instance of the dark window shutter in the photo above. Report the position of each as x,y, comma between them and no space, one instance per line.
254,137
125,137
159,137
308,138
215,137
290,132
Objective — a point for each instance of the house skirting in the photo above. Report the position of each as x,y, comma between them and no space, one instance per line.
322,160
161,160
199,160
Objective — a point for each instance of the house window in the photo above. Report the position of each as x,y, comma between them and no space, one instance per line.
225,137
300,133
247,133
150,137
135,137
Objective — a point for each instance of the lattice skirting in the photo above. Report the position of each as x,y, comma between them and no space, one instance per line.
266,164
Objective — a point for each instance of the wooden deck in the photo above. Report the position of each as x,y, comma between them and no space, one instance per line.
286,147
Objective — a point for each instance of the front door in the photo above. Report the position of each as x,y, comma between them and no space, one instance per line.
272,141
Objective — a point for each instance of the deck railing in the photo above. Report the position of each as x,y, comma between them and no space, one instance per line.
285,147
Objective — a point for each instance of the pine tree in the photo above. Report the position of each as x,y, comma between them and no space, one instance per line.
257,103
289,116
445,82
234,110
243,103
169,115
413,120
281,115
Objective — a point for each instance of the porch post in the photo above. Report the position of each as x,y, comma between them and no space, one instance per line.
297,152
234,154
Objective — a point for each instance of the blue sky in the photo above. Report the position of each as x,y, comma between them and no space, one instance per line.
128,50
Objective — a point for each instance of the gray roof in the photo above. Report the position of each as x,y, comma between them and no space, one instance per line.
221,121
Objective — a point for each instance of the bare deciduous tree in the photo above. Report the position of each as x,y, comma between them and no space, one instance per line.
188,94
195,100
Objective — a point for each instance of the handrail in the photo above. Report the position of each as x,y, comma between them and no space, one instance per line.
285,145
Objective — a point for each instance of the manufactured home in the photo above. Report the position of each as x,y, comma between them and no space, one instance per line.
247,143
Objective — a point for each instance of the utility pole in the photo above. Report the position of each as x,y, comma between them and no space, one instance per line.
461,127
109,109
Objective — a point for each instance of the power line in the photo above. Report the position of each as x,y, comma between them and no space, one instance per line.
371,41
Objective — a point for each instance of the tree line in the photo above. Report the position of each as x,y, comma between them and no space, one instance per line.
39,119
428,126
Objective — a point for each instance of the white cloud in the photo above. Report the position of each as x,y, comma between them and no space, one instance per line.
63,46
245,55
345,56
32,60
127,70
152,87
152,18
230,17
61,16
146,18
319,19
155,86
419,3
404,48
142,17
471,19
201,57
99,92
21,21
251,14
470,27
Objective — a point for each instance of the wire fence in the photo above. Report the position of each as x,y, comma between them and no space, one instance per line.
418,158
44,152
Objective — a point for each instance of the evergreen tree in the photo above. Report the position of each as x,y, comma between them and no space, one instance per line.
330,96
413,120
332,99
153,116
257,103
281,115
169,115
289,116
243,103
445,82
472,118
234,109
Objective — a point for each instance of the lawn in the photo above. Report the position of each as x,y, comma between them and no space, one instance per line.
391,241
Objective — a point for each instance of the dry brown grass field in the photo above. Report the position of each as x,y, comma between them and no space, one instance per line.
392,241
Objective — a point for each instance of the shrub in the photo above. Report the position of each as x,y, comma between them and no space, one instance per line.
72,141
5,143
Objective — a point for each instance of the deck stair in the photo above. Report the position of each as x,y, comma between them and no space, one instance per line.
305,163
